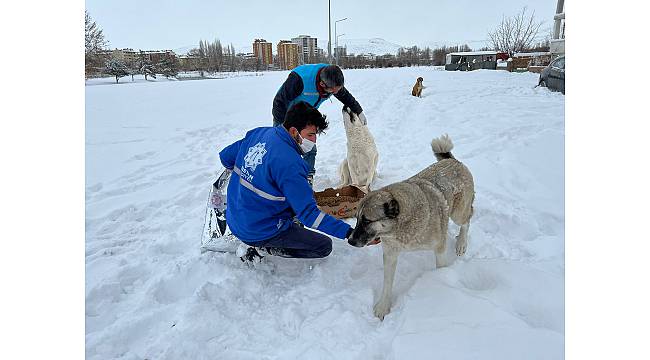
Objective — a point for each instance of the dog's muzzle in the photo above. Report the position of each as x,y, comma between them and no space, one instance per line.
356,242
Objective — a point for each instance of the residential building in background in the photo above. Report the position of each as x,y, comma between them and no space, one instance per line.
156,56
127,55
130,56
340,51
308,48
263,50
288,54
190,62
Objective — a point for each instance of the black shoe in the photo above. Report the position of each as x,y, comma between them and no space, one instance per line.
251,256
274,251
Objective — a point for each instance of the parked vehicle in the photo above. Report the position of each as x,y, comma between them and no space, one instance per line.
552,76
471,60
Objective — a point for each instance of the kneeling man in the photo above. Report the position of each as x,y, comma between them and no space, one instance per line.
269,197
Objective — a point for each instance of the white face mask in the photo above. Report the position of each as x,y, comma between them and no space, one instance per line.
306,144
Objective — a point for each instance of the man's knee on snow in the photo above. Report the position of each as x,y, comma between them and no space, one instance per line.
324,247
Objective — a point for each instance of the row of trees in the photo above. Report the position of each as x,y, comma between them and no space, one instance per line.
168,67
213,56
411,56
100,61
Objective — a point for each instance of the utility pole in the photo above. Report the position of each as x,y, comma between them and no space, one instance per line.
329,26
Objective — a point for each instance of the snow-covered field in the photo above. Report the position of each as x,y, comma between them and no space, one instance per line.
152,152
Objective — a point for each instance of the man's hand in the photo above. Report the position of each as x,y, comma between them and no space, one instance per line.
363,119
349,233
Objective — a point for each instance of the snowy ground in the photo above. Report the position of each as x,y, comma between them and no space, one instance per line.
152,152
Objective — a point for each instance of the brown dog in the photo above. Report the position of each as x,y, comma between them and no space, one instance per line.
417,88
414,214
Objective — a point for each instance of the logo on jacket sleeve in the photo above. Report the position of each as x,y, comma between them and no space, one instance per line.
254,156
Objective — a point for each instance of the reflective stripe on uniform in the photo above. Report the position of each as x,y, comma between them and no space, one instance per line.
259,192
318,220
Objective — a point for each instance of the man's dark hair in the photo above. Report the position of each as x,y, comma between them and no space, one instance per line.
332,76
302,114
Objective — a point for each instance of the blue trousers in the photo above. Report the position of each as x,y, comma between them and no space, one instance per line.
297,242
310,157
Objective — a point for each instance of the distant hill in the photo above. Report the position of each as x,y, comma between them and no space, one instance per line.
376,46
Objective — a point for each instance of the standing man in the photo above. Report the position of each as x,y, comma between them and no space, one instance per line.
313,83
269,187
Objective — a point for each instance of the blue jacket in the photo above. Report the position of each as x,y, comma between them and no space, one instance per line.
301,86
309,93
268,187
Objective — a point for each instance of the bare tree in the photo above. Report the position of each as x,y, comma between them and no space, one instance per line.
233,58
117,68
95,43
145,67
169,66
516,33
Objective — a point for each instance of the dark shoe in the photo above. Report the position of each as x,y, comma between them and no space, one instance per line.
253,259
251,256
273,251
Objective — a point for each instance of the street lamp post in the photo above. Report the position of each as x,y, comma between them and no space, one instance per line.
336,40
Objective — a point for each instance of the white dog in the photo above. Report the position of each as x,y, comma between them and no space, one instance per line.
360,166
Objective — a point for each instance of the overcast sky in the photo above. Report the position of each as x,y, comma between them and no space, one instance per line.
171,24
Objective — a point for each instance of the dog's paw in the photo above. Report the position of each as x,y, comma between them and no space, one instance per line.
461,246
381,309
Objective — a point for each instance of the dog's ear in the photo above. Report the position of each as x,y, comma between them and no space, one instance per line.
391,209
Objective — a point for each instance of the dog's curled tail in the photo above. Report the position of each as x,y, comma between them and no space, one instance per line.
442,147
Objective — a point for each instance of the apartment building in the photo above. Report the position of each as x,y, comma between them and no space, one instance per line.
127,55
288,54
156,56
263,50
308,48
340,51
130,56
